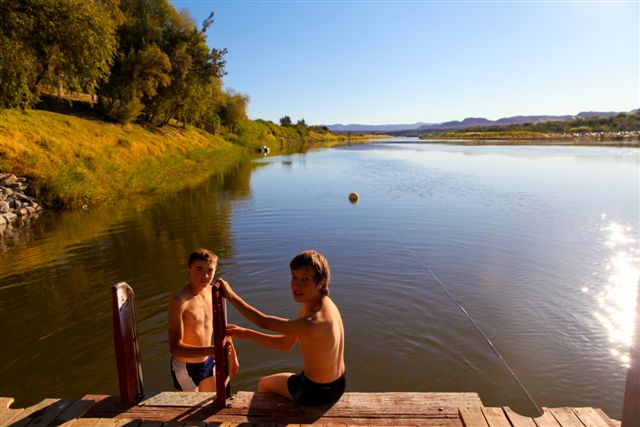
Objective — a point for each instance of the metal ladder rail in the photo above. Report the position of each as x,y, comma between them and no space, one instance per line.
127,344
221,343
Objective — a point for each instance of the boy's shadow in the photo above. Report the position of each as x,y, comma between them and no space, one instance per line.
270,408
256,408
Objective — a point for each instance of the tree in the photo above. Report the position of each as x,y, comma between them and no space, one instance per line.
184,82
286,121
59,45
135,76
233,111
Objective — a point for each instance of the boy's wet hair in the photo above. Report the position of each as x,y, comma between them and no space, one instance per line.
203,255
318,263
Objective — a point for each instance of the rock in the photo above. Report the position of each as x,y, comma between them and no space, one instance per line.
8,191
4,207
26,198
9,216
22,179
16,186
30,210
3,221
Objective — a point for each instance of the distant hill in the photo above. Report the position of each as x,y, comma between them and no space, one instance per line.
477,122
374,128
417,128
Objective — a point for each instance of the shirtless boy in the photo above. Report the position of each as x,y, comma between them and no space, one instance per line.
191,327
318,328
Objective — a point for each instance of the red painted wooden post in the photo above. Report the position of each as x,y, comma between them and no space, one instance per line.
127,347
221,345
631,405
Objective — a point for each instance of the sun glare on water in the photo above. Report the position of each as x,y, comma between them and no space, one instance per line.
617,299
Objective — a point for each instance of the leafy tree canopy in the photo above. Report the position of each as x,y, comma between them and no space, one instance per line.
64,45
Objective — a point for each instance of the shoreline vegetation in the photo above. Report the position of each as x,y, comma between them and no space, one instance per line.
622,129
104,100
78,162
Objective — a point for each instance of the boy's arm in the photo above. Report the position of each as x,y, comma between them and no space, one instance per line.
298,327
276,342
176,330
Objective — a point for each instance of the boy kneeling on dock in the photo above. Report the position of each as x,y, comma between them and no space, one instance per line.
191,328
318,328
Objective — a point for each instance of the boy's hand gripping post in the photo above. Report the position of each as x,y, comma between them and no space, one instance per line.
221,346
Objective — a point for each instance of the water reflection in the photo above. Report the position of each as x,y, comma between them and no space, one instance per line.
55,286
505,233
617,300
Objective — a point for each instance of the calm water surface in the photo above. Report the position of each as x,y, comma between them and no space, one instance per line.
538,244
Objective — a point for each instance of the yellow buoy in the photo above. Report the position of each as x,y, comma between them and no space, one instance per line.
353,197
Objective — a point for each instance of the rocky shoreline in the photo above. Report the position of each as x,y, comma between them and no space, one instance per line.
15,205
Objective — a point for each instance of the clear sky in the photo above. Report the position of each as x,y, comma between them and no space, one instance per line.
383,62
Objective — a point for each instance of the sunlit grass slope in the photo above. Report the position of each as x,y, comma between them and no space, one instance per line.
74,161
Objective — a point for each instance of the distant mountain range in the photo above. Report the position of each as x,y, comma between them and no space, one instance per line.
376,128
421,127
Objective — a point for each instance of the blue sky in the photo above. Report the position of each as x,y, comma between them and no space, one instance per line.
381,62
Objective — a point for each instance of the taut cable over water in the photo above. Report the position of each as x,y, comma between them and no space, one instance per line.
473,322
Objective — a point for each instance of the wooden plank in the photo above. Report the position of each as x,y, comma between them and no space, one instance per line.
566,417
185,424
118,422
76,410
546,419
630,406
263,405
86,422
495,417
611,422
362,404
5,402
25,416
472,417
590,418
50,413
106,406
516,419
7,414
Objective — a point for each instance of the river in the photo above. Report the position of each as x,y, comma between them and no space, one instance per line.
538,245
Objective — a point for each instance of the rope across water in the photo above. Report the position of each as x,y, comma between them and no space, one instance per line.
473,322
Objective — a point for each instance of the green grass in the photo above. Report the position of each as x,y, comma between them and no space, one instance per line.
73,161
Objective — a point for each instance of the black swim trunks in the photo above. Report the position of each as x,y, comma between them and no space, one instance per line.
309,393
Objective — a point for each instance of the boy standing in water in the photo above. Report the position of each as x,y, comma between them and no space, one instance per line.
191,328
318,328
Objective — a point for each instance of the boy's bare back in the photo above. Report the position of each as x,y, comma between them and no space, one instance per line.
322,348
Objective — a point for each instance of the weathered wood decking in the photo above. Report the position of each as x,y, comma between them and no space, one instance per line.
263,409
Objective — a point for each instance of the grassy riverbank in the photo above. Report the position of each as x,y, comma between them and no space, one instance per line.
75,161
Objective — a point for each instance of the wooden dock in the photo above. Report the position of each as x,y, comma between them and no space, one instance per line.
265,409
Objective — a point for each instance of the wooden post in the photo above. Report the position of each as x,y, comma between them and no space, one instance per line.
631,405
221,345
127,347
